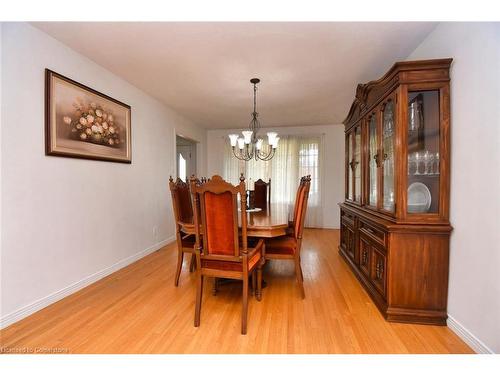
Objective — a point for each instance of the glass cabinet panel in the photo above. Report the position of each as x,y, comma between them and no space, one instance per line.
357,164
423,152
372,161
350,182
388,127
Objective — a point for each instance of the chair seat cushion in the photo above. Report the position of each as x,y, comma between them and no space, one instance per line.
232,266
281,245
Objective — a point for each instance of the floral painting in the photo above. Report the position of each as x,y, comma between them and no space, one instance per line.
83,123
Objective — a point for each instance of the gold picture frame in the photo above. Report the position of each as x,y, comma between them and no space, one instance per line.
81,122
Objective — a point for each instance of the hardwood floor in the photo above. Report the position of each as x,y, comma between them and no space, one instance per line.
138,310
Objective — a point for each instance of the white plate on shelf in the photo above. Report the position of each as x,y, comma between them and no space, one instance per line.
419,198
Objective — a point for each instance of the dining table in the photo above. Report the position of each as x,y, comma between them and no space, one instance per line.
269,222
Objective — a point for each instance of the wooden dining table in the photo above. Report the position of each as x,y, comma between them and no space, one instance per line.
267,223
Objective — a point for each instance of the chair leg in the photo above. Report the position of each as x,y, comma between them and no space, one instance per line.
259,283
192,265
254,283
215,286
199,295
299,275
180,258
245,307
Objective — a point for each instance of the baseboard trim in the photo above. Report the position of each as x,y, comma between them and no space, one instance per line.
477,345
27,310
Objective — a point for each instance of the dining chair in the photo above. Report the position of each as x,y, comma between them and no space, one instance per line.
262,193
222,252
291,223
183,213
289,245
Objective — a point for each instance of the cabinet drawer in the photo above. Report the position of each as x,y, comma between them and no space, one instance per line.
348,222
347,215
378,269
371,231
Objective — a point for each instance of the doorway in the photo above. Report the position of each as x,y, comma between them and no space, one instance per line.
185,157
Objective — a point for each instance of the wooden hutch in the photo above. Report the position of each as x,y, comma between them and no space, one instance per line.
395,226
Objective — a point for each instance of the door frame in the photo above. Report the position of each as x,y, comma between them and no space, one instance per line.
197,147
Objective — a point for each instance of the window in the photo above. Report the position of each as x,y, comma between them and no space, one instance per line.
295,157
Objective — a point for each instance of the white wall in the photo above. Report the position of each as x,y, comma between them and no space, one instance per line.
67,220
333,162
474,283
1,228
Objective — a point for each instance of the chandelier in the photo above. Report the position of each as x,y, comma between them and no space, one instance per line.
250,145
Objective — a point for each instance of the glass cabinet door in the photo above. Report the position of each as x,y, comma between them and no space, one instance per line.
388,135
350,181
357,164
372,161
423,169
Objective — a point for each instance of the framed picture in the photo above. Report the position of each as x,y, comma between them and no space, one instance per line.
83,123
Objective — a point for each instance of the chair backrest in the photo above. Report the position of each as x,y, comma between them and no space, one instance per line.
297,197
181,200
301,206
218,202
262,193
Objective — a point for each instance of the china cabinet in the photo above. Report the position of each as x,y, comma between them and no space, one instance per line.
395,218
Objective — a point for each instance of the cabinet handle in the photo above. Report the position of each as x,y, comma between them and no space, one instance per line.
364,257
379,270
377,159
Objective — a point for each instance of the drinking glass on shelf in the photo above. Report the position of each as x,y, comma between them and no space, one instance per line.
426,159
415,120
411,163
431,163
418,159
437,162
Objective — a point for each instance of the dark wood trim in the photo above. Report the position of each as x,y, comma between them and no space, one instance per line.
366,94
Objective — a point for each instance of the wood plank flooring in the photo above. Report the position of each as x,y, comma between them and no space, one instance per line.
138,310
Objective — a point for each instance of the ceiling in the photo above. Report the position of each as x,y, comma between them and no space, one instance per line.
308,70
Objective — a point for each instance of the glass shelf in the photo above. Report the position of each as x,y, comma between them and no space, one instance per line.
388,197
423,177
350,183
372,162
357,164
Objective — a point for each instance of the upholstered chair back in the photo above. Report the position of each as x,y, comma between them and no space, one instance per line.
262,193
181,200
303,195
217,201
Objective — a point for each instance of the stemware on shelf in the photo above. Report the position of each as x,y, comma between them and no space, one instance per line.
418,159
426,159
437,162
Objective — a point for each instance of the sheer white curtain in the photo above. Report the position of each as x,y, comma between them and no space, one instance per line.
295,157
232,166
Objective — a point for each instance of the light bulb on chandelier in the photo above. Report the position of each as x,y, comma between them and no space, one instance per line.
250,146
